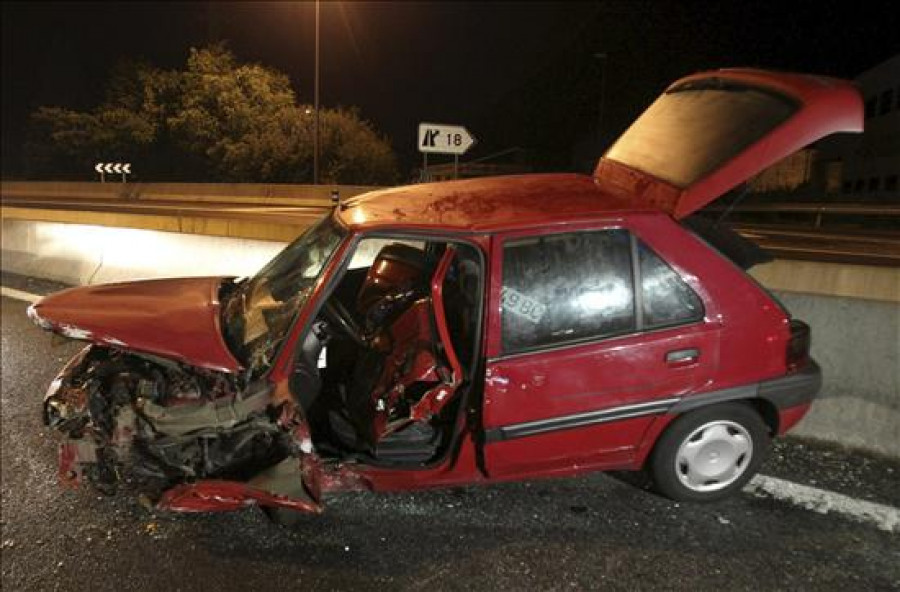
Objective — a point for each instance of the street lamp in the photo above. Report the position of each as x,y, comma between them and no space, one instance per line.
316,100
602,57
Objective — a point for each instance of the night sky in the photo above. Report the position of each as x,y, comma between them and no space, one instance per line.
453,62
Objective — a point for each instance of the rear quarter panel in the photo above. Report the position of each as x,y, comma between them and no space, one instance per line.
755,330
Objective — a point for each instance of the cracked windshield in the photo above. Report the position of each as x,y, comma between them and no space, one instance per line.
259,312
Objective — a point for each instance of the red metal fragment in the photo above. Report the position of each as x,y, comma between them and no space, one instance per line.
225,496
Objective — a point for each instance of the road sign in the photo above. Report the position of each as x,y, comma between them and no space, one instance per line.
120,168
113,167
437,138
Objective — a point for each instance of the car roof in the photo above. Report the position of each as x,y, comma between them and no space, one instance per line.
486,204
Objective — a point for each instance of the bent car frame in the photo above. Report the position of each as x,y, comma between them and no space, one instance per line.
467,332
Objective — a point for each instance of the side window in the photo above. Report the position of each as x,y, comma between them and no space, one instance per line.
566,287
666,299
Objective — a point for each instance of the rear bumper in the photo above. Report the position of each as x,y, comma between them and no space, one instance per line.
791,390
792,394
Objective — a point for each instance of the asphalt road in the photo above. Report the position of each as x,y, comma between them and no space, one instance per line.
595,532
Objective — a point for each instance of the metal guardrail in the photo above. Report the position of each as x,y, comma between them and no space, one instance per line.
877,214
816,210
859,233
841,232
285,194
875,209
232,193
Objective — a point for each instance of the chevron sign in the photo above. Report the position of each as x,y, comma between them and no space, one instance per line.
120,168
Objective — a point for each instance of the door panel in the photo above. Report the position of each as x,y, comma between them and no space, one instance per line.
589,404
590,447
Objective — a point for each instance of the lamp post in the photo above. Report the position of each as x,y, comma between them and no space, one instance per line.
316,101
602,58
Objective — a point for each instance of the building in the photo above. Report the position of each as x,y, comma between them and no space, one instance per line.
849,167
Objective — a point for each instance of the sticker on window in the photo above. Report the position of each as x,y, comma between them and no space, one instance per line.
521,305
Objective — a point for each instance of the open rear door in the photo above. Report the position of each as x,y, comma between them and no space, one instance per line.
712,131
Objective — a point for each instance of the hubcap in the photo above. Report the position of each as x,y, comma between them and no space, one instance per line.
713,456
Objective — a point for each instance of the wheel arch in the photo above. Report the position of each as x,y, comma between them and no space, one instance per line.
766,410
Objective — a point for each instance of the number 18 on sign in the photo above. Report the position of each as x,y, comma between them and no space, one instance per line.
438,138
444,139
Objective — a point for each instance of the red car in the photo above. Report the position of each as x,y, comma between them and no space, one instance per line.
467,332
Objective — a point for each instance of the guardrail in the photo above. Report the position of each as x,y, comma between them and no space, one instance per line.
278,194
819,208
252,211
231,193
817,211
867,234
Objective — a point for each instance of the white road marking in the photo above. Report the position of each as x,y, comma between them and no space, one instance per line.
826,502
19,295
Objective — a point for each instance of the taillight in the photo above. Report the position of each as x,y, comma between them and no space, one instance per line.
798,346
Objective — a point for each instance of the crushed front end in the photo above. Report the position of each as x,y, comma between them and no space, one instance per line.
188,438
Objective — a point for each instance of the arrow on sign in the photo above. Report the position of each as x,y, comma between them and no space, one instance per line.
438,138
113,167
121,168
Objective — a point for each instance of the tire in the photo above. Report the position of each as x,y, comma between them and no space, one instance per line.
708,454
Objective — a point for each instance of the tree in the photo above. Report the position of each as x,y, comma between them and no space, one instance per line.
216,119
352,150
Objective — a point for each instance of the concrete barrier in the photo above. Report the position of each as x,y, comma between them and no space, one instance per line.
80,255
857,343
243,193
244,211
210,223
854,311
865,282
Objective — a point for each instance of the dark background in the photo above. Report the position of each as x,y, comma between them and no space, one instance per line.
517,74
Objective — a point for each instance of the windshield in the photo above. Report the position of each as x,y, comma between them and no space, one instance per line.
259,312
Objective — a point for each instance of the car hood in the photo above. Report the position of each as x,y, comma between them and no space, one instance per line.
710,132
173,318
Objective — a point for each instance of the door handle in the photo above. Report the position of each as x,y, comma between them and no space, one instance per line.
682,357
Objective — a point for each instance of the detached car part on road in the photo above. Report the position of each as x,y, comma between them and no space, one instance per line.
467,332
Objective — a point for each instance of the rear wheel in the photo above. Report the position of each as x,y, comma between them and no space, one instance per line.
707,454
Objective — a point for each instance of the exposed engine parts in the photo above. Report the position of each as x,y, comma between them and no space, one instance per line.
144,421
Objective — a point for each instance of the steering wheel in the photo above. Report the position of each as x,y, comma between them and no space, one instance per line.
336,312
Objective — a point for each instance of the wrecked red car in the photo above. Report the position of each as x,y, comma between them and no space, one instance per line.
467,332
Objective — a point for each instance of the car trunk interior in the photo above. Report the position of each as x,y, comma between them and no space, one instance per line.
741,251
385,366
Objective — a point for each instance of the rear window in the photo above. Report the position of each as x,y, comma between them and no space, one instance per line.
666,299
695,128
